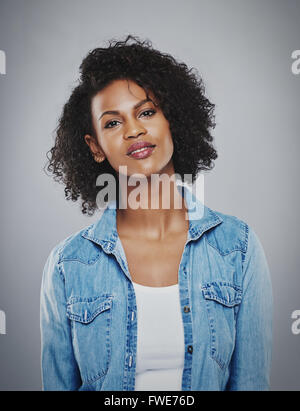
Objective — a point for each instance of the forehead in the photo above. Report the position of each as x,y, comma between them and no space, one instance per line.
118,95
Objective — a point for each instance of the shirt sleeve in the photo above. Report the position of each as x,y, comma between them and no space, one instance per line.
251,361
59,367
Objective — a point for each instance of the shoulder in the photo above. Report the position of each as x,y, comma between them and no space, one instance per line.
231,234
76,247
234,234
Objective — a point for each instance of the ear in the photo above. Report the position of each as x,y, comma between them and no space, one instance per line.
93,145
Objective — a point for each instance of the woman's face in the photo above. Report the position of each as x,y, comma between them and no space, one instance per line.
122,115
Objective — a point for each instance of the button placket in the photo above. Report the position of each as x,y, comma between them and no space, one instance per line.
190,349
186,317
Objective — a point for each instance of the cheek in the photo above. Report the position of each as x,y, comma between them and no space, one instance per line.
164,134
110,147
169,141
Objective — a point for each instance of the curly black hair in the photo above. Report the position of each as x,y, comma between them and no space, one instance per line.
180,93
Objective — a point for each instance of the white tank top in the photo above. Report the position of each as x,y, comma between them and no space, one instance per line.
160,339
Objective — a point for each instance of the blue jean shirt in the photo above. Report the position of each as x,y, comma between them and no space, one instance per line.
89,313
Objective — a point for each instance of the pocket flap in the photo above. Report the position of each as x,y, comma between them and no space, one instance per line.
84,310
225,293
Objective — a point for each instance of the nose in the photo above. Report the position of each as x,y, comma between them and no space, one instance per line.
133,129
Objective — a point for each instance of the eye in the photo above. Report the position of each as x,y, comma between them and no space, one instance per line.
111,124
148,113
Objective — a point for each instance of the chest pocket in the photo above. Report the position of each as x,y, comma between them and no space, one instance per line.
222,301
91,329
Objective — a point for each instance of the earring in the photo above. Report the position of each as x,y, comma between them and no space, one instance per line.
99,157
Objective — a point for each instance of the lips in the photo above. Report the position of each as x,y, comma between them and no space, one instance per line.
138,145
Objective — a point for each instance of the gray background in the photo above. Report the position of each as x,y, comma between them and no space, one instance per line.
243,51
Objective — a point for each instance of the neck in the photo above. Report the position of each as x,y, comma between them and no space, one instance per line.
151,208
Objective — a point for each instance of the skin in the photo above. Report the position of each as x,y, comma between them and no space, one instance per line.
153,239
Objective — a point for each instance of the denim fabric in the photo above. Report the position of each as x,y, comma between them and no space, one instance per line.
89,314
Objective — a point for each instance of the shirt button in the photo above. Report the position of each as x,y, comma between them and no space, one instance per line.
190,349
186,309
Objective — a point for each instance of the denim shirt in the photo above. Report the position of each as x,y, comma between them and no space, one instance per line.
89,313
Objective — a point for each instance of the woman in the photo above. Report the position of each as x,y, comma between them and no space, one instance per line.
174,297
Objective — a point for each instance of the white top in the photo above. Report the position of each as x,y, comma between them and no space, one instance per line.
160,339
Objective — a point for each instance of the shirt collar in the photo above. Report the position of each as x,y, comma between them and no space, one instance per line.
201,218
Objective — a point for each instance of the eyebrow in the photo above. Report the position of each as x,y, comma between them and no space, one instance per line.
139,104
